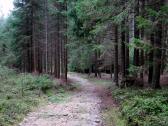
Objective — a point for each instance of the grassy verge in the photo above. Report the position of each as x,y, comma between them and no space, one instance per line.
60,94
105,83
113,117
21,93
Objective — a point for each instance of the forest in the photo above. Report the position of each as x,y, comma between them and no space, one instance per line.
84,63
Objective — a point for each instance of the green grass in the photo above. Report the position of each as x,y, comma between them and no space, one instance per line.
21,93
58,97
113,117
105,83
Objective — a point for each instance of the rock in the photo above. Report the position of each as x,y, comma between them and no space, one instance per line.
97,121
65,114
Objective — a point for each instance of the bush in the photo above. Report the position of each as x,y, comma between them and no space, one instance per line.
29,82
6,72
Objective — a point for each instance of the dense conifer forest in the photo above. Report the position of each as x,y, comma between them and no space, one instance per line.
84,62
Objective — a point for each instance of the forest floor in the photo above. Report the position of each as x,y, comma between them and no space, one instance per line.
84,107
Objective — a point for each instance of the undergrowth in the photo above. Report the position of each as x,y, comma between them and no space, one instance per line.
113,117
143,107
137,106
20,93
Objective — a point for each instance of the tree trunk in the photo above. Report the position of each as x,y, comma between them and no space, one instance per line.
142,12
66,41
150,74
123,53
157,52
132,26
96,57
127,58
116,57
157,58
34,42
46,35
136,51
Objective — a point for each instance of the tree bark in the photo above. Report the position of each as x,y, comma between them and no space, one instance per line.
157,58
46,36
157,52
116,57
150,74
122,47
127,58
132,26
34,42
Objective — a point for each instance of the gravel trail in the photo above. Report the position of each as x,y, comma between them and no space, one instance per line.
81,109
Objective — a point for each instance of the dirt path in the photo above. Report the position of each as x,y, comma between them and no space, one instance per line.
82,109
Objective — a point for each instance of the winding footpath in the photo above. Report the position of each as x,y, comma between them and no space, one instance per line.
81,109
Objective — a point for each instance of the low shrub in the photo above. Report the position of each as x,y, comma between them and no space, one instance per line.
143,107
19,93
29,82
6,72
